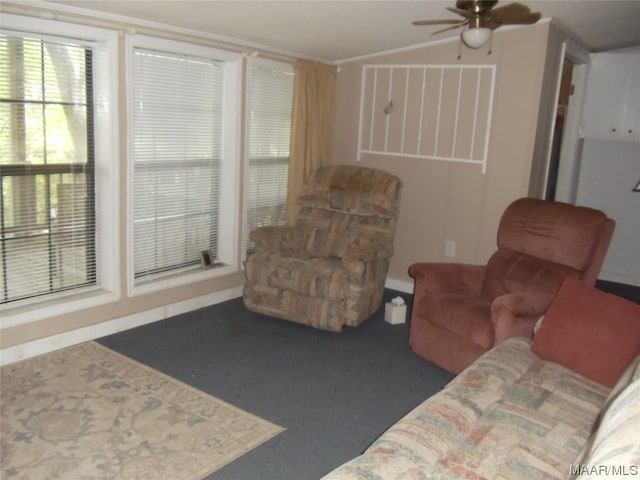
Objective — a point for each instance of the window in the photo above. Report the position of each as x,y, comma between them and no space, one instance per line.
269,97
182,107
47,224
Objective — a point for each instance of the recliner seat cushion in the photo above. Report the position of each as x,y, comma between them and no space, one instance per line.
299,273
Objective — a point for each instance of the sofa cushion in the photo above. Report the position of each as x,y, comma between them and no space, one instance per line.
592,332
615,450
536,427
630,375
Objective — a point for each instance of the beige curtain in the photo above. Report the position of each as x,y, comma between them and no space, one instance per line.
311,125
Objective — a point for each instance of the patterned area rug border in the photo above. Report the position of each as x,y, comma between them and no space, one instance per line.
90,412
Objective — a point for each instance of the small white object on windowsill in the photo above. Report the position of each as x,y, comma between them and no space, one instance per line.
395,311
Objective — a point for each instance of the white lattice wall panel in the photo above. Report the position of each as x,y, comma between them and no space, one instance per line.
436,112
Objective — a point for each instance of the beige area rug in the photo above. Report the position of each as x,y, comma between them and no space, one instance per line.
87,412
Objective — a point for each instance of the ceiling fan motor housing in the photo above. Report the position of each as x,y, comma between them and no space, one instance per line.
476,7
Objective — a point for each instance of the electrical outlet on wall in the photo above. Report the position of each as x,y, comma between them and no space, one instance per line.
450,248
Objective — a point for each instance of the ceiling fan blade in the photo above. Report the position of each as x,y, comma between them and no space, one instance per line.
460,24
438,22
523,20
530,18
493,22
460,11
511,9
513,14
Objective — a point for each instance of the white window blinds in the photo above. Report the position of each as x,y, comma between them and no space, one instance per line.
177,120
47,224
269,98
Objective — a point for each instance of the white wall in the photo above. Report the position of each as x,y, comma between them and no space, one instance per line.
609,170
609,166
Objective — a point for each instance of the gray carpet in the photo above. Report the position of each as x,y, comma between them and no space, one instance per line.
333,392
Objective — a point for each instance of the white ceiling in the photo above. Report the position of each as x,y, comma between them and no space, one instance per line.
336,30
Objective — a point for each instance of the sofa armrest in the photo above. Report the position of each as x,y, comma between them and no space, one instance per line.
284,238
448,277
515,314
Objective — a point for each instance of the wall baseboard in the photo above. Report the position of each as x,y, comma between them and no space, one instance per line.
400,285
623,278
55,342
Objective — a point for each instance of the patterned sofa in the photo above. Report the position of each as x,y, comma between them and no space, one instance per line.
328,270
515,415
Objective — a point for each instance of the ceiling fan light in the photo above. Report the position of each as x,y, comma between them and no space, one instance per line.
476,37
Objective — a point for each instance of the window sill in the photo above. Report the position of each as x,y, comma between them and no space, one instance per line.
33,311
178,279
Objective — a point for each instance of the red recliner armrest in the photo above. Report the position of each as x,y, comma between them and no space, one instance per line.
448,277
515,314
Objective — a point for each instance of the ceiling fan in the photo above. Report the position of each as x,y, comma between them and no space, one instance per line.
481,19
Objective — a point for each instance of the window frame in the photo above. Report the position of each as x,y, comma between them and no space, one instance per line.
228,244
106,148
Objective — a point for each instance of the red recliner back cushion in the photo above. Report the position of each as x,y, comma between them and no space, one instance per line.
539,244
514,272
554,231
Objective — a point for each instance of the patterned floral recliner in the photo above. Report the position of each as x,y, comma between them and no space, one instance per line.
328,270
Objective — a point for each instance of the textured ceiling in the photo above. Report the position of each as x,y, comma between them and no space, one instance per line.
338,30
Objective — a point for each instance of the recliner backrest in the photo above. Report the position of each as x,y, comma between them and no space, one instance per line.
542,242
344,204
354,190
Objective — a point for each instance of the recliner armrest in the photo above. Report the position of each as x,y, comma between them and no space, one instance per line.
448,277
515,314
284,238
358,255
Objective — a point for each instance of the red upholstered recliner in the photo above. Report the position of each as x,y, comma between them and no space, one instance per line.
460,311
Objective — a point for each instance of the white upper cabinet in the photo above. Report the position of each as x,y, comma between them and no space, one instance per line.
612,101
